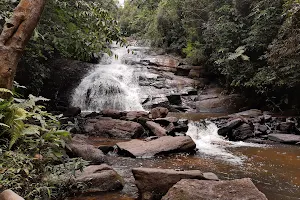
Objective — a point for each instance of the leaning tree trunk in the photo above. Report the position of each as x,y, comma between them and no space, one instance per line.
14,37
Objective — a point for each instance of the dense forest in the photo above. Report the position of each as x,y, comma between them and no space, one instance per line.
250,46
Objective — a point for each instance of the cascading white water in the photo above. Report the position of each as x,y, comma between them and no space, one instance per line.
209,142
111,85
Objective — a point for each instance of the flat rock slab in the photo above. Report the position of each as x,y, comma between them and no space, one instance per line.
99,178
284,138
189,189
162,145
113,128
153,183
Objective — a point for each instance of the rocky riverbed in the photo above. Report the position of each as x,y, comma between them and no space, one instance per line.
150,125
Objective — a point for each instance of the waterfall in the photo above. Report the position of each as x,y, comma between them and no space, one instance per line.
209,142
111,85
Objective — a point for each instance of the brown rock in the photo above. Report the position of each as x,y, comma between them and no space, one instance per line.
113,128
156,129
86,151
154,183
226,104
284,138
166,121
99,178
162,145
134,115
229,126
9,195
242,132
241,189
159,112
115,114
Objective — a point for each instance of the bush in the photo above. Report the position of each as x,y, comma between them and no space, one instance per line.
31,146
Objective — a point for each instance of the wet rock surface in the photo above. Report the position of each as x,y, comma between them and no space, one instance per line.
113,128
162,145
240,189
155,183
257,127
99,178
80,148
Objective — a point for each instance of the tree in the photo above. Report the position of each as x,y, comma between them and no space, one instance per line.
14,37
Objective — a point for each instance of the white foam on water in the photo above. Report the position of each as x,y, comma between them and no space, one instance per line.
112,85
209,142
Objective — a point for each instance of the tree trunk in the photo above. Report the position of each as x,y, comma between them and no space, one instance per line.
14,37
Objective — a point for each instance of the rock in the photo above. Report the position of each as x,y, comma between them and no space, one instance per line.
189,91
156,129
171,129
134,115
159,112
262,128
224,104
113,128
60,86
9,195
80,148
160,101
72,112
99,178
286,127
174,99
166,121
115,114
230,126
248,113
194,73
183,70
242,132
267,118
210,176
153,183
190,189
162,145
284,138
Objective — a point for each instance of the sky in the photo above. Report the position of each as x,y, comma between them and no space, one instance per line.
121,2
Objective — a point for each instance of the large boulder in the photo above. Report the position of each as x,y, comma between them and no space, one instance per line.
9,195
156,129
162,145
242,132
154,183
230,125
159,112
225,104
113,128
284,138
60,87
99,178
81,148
190,189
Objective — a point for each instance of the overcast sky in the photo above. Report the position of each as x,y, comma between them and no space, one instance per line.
121,2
